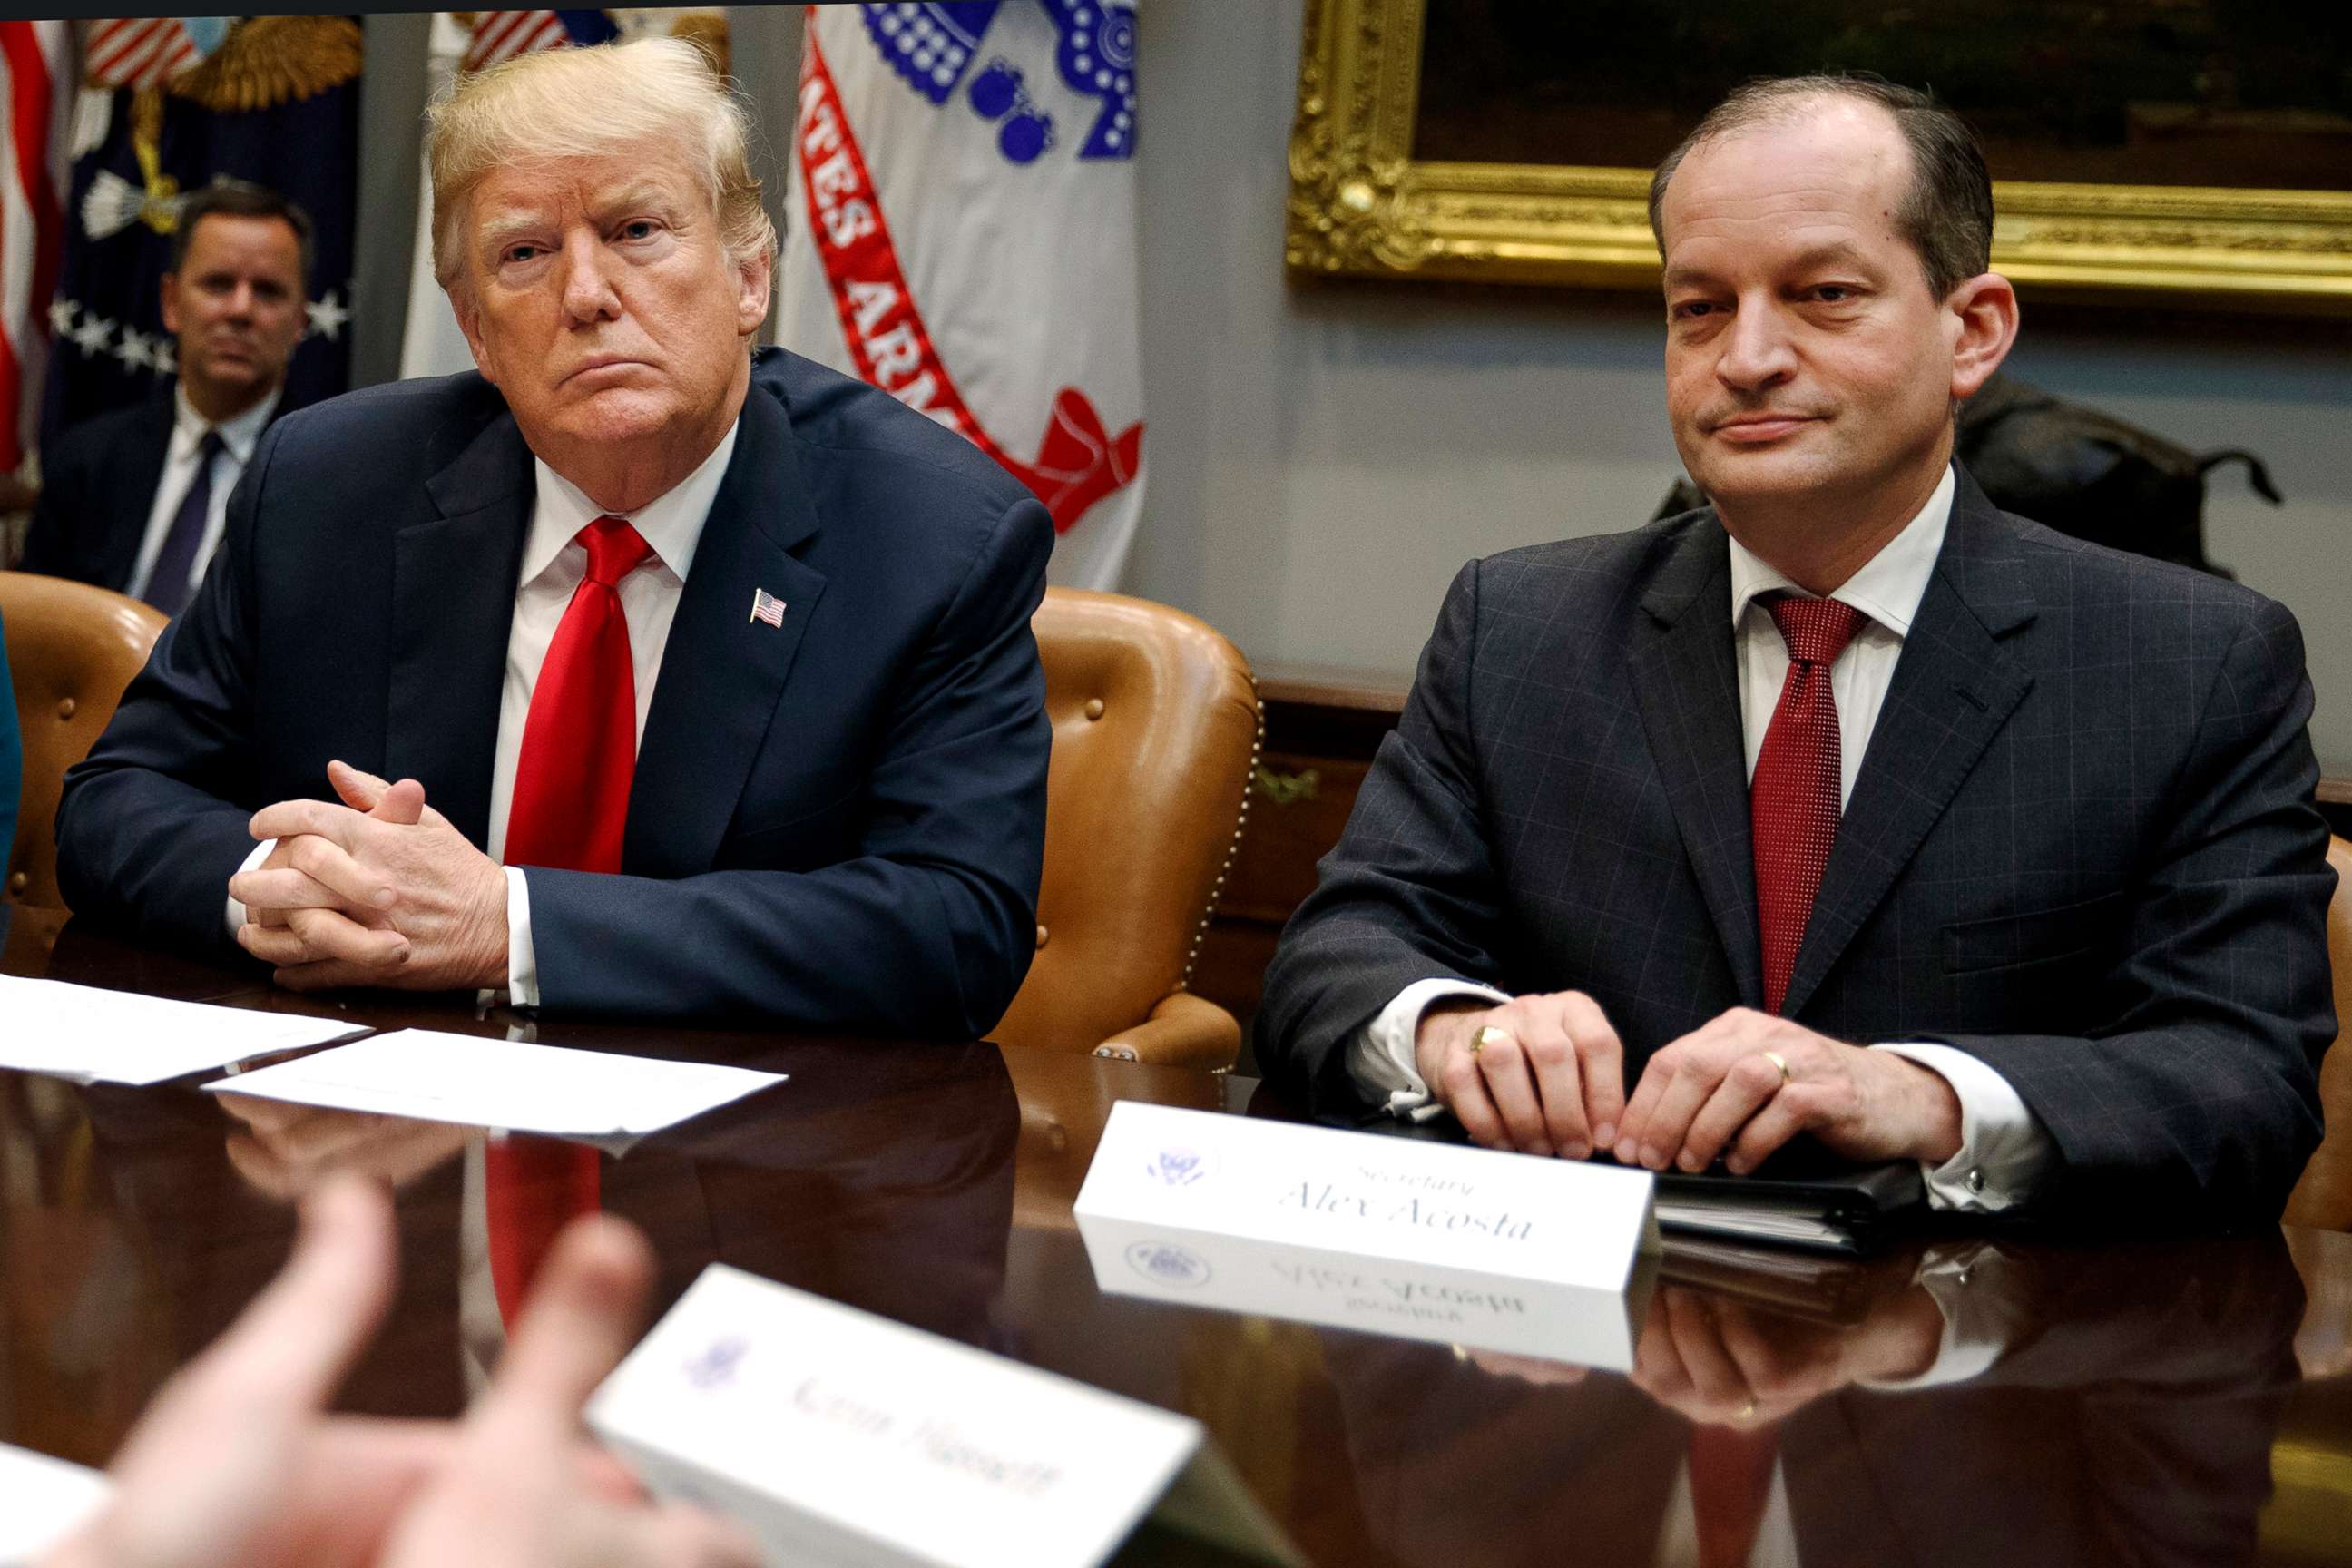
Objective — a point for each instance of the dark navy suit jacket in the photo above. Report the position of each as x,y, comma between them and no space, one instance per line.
98,485
836,822
2081,846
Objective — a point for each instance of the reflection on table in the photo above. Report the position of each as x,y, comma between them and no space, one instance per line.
1958,1400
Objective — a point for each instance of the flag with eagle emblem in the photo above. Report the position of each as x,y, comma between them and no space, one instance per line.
168,103
963,234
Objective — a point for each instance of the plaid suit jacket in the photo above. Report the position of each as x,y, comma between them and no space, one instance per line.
2081,845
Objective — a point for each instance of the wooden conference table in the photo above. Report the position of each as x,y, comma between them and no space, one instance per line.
2180,1402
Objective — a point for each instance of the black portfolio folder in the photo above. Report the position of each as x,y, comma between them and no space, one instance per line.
1803,1195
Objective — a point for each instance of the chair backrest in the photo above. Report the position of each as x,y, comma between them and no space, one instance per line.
1155,731
71,650
2323,1197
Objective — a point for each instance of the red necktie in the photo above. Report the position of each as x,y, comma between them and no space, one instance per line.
531,1188
1793,801
570,808
571,802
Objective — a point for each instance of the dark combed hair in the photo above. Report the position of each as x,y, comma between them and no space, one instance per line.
239,198
1947,216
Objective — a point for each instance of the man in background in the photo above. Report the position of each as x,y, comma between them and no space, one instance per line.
1848,805
136,499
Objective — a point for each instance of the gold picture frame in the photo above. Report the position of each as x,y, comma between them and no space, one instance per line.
1361,205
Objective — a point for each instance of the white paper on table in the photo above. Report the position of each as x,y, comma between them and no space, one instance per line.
95,1036
42,1500
477,1082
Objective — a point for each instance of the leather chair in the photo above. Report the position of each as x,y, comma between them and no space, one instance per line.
2323,1198
1156,729
71,650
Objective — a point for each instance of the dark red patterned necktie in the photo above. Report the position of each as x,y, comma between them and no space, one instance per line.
1792,802
1731,1488
569,811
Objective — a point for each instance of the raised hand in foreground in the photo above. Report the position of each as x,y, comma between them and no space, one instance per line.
236,1465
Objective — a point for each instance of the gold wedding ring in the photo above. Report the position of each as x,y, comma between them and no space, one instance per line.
1488,1034
1774,1057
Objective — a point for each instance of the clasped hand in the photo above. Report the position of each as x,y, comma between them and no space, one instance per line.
380,890
1548,1078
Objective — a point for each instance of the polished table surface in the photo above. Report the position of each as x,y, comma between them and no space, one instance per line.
2176,1402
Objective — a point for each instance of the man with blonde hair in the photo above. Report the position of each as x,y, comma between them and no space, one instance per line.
705,674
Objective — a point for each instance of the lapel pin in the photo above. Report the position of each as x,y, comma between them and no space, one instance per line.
766,606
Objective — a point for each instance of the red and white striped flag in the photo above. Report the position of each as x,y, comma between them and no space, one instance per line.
963,234
138,51
30,229
502,35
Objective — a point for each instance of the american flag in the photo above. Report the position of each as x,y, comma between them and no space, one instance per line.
30,231
138,51
502,35
766,606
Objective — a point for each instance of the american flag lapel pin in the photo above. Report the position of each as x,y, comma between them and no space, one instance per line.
766,606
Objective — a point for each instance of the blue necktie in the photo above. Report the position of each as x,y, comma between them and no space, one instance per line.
167,584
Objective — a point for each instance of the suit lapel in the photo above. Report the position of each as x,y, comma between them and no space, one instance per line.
1955,686
723,672
453,591
1686,683
134,482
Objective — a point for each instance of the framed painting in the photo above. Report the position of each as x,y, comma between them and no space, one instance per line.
2190,152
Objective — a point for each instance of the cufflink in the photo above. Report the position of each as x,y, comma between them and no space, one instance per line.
1976,1180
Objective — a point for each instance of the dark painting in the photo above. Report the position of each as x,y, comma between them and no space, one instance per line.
2241,93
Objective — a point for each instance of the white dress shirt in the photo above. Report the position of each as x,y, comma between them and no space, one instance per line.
553,565
2003,1149
238,438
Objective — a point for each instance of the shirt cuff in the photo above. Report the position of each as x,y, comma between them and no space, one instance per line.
2004,1150
522,958
1983,1316
1380,1057
234,911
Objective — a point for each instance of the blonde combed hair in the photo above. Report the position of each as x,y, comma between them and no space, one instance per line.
588,103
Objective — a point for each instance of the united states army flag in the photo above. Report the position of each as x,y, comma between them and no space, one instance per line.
962,234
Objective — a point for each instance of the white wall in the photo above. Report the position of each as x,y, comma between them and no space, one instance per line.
1323,458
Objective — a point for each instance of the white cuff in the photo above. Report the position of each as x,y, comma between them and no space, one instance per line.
1982,1315
236,914
522,958
2004,1151
1380,1058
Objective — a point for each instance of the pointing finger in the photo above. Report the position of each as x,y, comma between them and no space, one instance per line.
582,1315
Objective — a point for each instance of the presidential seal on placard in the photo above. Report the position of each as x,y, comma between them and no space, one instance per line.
1178,1167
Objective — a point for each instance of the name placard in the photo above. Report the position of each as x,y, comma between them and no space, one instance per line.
42,1501
1420,1240
839,1437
